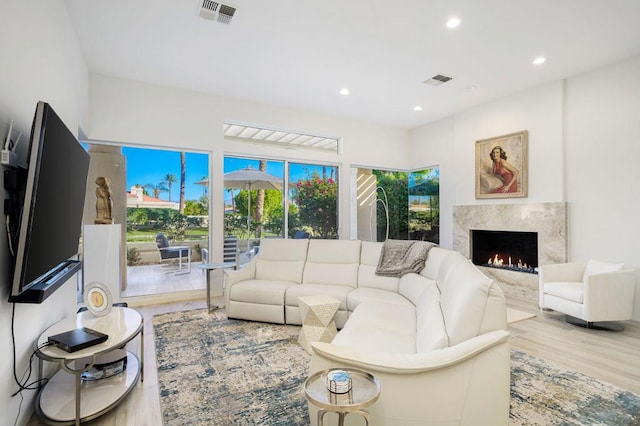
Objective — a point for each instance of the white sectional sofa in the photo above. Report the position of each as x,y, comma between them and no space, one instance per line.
437,341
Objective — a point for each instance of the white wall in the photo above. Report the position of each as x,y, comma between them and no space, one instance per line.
131,112
584,149
40,61
602,166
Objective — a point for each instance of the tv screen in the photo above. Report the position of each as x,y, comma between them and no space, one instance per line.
54,188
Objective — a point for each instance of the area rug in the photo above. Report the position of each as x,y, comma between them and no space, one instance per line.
515,315
215,371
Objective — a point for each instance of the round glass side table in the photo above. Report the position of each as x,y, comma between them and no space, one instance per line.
365,391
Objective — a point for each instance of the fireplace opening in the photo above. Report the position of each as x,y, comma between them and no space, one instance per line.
511,250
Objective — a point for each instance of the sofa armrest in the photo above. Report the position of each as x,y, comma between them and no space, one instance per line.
464,384
245,272
410,363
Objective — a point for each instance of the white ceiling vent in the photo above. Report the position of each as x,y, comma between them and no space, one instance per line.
216,11
437,80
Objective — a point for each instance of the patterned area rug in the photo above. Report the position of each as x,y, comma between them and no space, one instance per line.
214,371
542,394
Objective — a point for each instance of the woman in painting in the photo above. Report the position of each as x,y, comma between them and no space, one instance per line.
503,170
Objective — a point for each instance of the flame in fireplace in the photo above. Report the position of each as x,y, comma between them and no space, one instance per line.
498,262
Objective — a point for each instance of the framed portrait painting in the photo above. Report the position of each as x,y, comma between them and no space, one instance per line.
501,166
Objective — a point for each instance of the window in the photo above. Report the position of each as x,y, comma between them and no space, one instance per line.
313,207
407,205
311,201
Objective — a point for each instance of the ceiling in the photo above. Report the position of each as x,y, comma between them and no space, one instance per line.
299,54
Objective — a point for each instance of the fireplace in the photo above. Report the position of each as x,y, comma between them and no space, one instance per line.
548,220
510,250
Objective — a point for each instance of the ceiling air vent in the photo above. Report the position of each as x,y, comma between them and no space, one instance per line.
437,80
216,11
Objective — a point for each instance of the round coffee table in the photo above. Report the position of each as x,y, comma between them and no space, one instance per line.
365,391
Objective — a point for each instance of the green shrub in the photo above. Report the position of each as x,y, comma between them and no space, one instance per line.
133,256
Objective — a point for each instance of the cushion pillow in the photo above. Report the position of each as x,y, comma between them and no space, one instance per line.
597,267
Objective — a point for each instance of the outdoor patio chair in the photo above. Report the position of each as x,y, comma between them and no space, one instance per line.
177,257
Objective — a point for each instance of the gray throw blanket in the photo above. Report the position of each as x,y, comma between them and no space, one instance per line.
400,257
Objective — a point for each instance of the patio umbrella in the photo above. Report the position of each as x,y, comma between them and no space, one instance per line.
249,179
204,182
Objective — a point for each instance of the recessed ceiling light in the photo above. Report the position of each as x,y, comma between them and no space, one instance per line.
453,22
417,108
539,60
344,92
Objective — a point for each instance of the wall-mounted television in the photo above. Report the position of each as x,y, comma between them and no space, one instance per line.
48,224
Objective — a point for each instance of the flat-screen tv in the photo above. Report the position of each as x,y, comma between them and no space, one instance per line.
49,222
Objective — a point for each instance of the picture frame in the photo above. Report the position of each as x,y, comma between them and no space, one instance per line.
502,166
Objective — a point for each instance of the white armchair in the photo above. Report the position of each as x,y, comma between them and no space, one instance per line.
592,294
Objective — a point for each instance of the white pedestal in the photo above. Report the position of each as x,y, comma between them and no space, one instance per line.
101,256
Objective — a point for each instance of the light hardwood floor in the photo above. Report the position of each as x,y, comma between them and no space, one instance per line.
611,357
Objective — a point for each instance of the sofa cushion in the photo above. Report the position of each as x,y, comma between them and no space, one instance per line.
431,333
380,327
333,262
281,260
434,260
412,286
360,295
369,257
463,297
300,290
266,292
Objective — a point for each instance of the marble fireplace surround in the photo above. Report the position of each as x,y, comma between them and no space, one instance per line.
549,220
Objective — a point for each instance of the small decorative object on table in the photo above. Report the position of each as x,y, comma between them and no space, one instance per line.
338,381
363,391
97,299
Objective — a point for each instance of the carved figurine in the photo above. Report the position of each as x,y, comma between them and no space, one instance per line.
104,204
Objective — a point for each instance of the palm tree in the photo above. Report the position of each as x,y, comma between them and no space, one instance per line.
183,172
144,188
170,179
233,198
259,209
156,189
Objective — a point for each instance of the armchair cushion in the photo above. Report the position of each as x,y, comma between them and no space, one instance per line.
597,267
566,290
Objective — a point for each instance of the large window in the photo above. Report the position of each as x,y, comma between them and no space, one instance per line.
256,208
408,205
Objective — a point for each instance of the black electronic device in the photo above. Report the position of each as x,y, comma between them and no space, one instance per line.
45,209
76,339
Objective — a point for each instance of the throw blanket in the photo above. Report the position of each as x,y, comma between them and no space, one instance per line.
400,257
